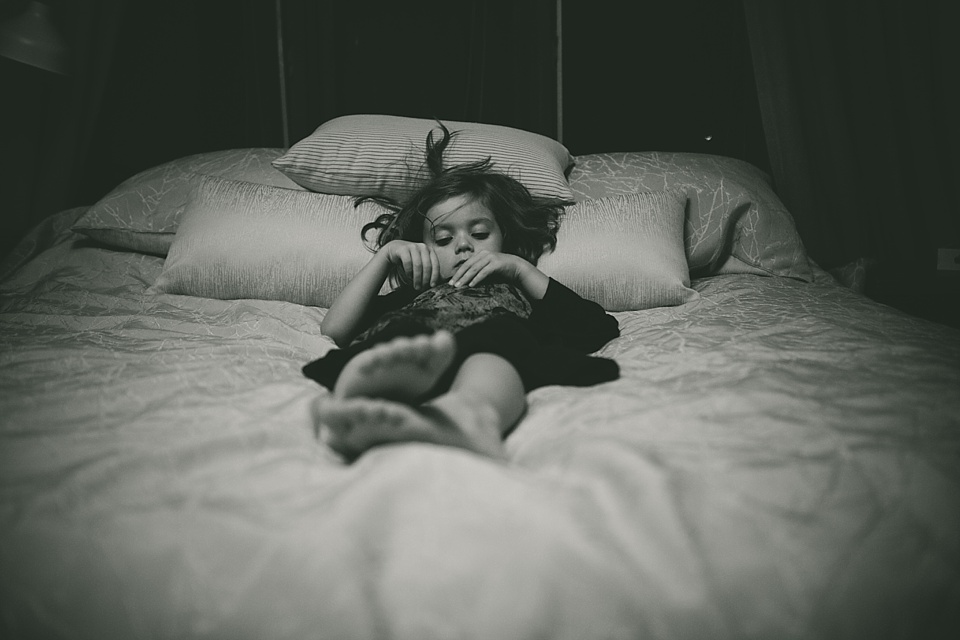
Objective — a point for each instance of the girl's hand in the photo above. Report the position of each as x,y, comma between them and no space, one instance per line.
484,264
418,261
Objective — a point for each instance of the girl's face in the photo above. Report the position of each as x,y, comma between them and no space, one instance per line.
459,227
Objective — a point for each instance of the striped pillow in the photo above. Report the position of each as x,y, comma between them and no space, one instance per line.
379,155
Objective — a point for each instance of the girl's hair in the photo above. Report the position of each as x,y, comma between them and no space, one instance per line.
529,223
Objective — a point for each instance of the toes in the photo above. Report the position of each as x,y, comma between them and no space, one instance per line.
354,425
443,347
410,350
442,340
397,351
333,420
351,426
337,426
419,350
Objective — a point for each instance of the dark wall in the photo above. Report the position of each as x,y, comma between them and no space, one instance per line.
637,76
187,77
192,76
490,61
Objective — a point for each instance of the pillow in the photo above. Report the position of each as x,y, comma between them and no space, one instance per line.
244,240
377,155
728,199
143,212
624,252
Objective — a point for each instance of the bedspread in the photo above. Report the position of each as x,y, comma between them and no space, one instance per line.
779,459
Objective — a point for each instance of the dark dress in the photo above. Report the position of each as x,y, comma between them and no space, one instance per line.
547,341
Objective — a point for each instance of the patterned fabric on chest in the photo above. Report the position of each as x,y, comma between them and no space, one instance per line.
451,308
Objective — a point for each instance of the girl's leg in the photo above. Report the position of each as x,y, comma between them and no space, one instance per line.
486,380
485,401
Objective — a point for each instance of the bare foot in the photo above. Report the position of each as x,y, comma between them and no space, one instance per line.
351,426
403,369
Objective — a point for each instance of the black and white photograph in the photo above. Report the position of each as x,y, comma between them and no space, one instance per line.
480,320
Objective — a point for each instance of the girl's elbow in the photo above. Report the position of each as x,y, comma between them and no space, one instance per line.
612,327
340,336
341,340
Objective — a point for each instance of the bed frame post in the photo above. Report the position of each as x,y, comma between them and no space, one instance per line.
281,68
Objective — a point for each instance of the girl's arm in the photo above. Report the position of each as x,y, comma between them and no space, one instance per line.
532,281
344,318
562,316
565,318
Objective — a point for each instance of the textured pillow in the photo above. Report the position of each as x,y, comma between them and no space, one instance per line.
727,198
244,240
377,155
624,252
143,212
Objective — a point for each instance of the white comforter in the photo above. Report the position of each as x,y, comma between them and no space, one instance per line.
779,460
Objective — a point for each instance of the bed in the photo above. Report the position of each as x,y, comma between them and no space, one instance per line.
779,459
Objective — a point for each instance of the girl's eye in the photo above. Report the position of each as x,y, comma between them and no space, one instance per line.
442,242
481,235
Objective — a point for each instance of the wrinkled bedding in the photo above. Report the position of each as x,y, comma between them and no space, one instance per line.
779,460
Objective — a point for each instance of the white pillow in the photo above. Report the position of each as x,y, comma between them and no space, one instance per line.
243,240
380,155
735,221
143,212
624,252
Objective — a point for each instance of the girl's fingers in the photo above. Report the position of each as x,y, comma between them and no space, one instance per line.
416,275
426,266
474,262
418,262
455,278
406,264
434,268
462,271
469,270
472,279
482,275
409,260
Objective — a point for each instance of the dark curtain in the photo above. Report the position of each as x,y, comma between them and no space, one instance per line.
859,104
148,82
155,80
49,129
488,61
660,76
187,77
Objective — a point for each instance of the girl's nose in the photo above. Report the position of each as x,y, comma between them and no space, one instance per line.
463,243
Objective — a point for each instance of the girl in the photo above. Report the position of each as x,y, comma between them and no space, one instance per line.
448,356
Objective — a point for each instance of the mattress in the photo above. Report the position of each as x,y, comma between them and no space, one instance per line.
780,459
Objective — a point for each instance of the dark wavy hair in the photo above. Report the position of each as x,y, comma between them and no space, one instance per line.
529,223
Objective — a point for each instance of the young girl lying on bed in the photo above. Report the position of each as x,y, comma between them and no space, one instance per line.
448,356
